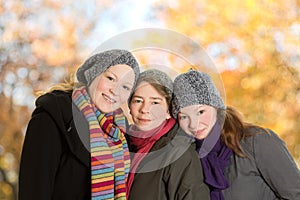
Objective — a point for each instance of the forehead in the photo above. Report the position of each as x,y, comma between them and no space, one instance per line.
121,71
195,108
146,90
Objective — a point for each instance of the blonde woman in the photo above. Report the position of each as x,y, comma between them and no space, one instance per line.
76,134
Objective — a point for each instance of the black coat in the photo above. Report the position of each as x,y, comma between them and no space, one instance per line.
55,163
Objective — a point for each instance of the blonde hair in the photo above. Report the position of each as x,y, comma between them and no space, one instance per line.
67,86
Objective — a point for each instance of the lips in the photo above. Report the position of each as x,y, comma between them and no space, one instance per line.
198,132
108,99
144,120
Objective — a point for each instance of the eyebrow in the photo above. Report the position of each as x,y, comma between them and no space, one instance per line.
153,98
108,70
198,108
135,96
118,77
156,98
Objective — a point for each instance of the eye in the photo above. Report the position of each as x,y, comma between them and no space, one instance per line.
200,112
126,88
110,78
182,117
155,102
137,101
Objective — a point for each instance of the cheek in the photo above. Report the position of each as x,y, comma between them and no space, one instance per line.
159,111
133,110
184,126
101,86
207,118
124,97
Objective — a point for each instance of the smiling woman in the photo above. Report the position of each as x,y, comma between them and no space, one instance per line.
112,88
149,108
240,160
76,134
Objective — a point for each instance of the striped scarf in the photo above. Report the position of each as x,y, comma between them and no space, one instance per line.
110,157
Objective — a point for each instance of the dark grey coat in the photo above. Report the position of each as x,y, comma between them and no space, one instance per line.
171,171
268,173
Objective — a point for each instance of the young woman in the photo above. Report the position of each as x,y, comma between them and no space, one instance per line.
75,146
163,165
240,160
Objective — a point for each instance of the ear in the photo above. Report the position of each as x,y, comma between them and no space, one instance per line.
168,116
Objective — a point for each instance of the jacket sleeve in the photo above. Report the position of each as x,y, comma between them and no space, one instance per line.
185,178
277,166
40,158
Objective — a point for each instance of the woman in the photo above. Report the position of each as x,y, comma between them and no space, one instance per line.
75,146
163,167
240,160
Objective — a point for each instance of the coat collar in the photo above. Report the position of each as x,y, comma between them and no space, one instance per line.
77,137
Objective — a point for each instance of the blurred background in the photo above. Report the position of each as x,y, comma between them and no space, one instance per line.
255,45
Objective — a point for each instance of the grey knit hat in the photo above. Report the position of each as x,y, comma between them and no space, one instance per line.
157,77
98,63
192,88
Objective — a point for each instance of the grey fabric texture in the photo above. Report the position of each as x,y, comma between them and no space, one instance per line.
268,172
158,77
98,63
193,88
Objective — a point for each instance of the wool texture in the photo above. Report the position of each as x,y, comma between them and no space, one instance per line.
215,157
110,159
98,63
192,88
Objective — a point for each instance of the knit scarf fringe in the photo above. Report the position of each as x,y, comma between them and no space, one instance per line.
110,159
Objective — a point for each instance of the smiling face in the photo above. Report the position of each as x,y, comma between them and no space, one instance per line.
111,89
148,107
197,120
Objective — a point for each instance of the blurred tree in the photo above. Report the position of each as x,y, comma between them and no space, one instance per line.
255,45
39,46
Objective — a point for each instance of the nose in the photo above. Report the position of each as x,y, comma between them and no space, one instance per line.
145,108
114,89
193,124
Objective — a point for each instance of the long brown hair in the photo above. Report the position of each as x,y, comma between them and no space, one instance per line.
235,129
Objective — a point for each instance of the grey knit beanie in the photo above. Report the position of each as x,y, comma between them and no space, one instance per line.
192,88
158,77
98,63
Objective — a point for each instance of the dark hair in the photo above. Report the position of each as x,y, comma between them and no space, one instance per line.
162,90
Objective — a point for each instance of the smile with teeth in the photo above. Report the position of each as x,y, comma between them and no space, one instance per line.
108,99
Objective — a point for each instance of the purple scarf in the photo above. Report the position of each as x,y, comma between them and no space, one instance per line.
214,157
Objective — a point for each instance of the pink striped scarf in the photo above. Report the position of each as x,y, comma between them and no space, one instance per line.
110,159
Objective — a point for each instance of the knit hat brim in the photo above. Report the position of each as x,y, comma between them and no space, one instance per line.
98,63
193,88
